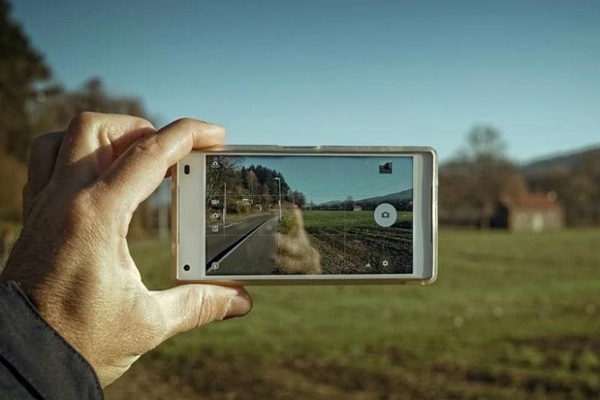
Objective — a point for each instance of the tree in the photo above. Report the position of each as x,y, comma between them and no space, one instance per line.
223,171
266,198
489,168
296,198
471,185
577,188
456,203
13,175
252,181
54,110
22,73
590,167
485,143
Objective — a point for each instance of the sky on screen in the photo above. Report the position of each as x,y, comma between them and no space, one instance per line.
325,179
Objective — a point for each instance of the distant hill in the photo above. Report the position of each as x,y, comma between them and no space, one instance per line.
566,161
392,198
405,195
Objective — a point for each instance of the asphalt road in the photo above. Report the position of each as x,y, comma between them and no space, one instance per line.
243,247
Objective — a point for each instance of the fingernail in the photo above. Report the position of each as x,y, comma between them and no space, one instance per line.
239,306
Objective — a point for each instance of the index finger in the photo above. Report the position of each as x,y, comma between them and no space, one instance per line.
142,167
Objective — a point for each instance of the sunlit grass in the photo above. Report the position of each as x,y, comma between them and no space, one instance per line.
510,315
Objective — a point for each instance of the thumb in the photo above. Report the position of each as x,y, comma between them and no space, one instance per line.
190,306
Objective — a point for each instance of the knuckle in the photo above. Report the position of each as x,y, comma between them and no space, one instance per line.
149,146
81,125
189,124
83,120
185,121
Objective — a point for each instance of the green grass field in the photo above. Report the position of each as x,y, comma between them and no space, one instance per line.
341,219
511,316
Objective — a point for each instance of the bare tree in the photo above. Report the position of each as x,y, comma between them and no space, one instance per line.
471,185
485,143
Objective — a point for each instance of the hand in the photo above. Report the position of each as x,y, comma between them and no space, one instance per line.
72,258
295,254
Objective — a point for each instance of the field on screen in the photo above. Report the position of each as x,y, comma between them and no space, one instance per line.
354,235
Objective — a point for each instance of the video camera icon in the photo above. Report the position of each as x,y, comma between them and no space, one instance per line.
385,215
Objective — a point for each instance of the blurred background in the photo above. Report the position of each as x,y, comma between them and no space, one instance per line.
507,92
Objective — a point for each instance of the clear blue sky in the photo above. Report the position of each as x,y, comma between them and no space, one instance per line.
341,71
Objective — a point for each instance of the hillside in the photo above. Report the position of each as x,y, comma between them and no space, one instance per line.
392,198
567,161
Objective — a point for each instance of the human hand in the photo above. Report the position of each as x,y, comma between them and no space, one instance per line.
295,254
72,258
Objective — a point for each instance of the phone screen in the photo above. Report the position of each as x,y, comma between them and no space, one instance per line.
297,214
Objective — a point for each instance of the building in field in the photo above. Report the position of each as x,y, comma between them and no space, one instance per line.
531,212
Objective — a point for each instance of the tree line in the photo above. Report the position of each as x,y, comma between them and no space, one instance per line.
245,187
472,183
577,188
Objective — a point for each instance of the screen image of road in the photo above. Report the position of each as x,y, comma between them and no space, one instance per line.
297,214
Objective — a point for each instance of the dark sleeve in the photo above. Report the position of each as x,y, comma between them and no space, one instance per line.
35,361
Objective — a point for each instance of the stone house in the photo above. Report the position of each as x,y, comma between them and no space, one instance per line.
531,212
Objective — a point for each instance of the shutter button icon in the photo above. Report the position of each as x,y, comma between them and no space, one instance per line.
385,215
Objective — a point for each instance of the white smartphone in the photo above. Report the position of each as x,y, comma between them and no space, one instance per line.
305,215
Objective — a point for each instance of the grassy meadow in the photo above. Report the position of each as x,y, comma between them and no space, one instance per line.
343,219
511,316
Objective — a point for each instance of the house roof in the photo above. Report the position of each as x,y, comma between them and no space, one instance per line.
534,201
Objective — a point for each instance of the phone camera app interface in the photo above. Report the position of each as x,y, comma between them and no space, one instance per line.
309,215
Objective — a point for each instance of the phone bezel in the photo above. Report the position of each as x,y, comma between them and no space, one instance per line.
188,250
